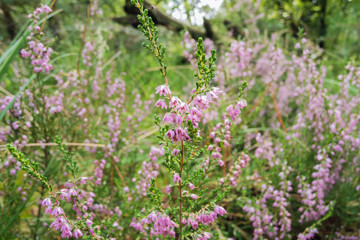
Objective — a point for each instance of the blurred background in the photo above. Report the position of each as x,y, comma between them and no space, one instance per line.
333,25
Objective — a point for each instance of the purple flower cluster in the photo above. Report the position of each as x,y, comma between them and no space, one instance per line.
61,222
37,51
160,225
205,218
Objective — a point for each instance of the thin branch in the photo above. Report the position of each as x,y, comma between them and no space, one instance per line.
277,112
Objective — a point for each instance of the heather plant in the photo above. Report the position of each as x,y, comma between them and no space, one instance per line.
255,141
190,160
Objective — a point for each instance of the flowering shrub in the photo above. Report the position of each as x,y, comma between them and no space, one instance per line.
257,147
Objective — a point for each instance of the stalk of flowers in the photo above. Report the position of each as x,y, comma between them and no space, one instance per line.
235,170
179,132
17,122
266,220
81,199
37,50
70,228
221,134
149,170
313,195
311,231
261,219
266,150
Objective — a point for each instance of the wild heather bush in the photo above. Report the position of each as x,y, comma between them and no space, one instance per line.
256,146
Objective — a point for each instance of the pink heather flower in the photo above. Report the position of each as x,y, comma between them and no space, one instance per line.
63,193
168,189
183,107
213,93
161,103
83,180
72,192
194,196
241,104
66,230
176,178
38,69
152,217
219,210
88,222
221,181
178,120
201,102
25,54
175,102
195,116
31,44
46,202
194,223
58,223
182,134
12,172
211,147
175,152
171,134
216,155
163,90
48,211
156,152
221,162
58,211
77,233
168,118
46,8
138,226
191,186
233,113
15,125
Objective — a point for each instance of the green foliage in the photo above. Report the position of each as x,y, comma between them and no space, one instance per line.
151,32
31,167
206,72
154,194
68,158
